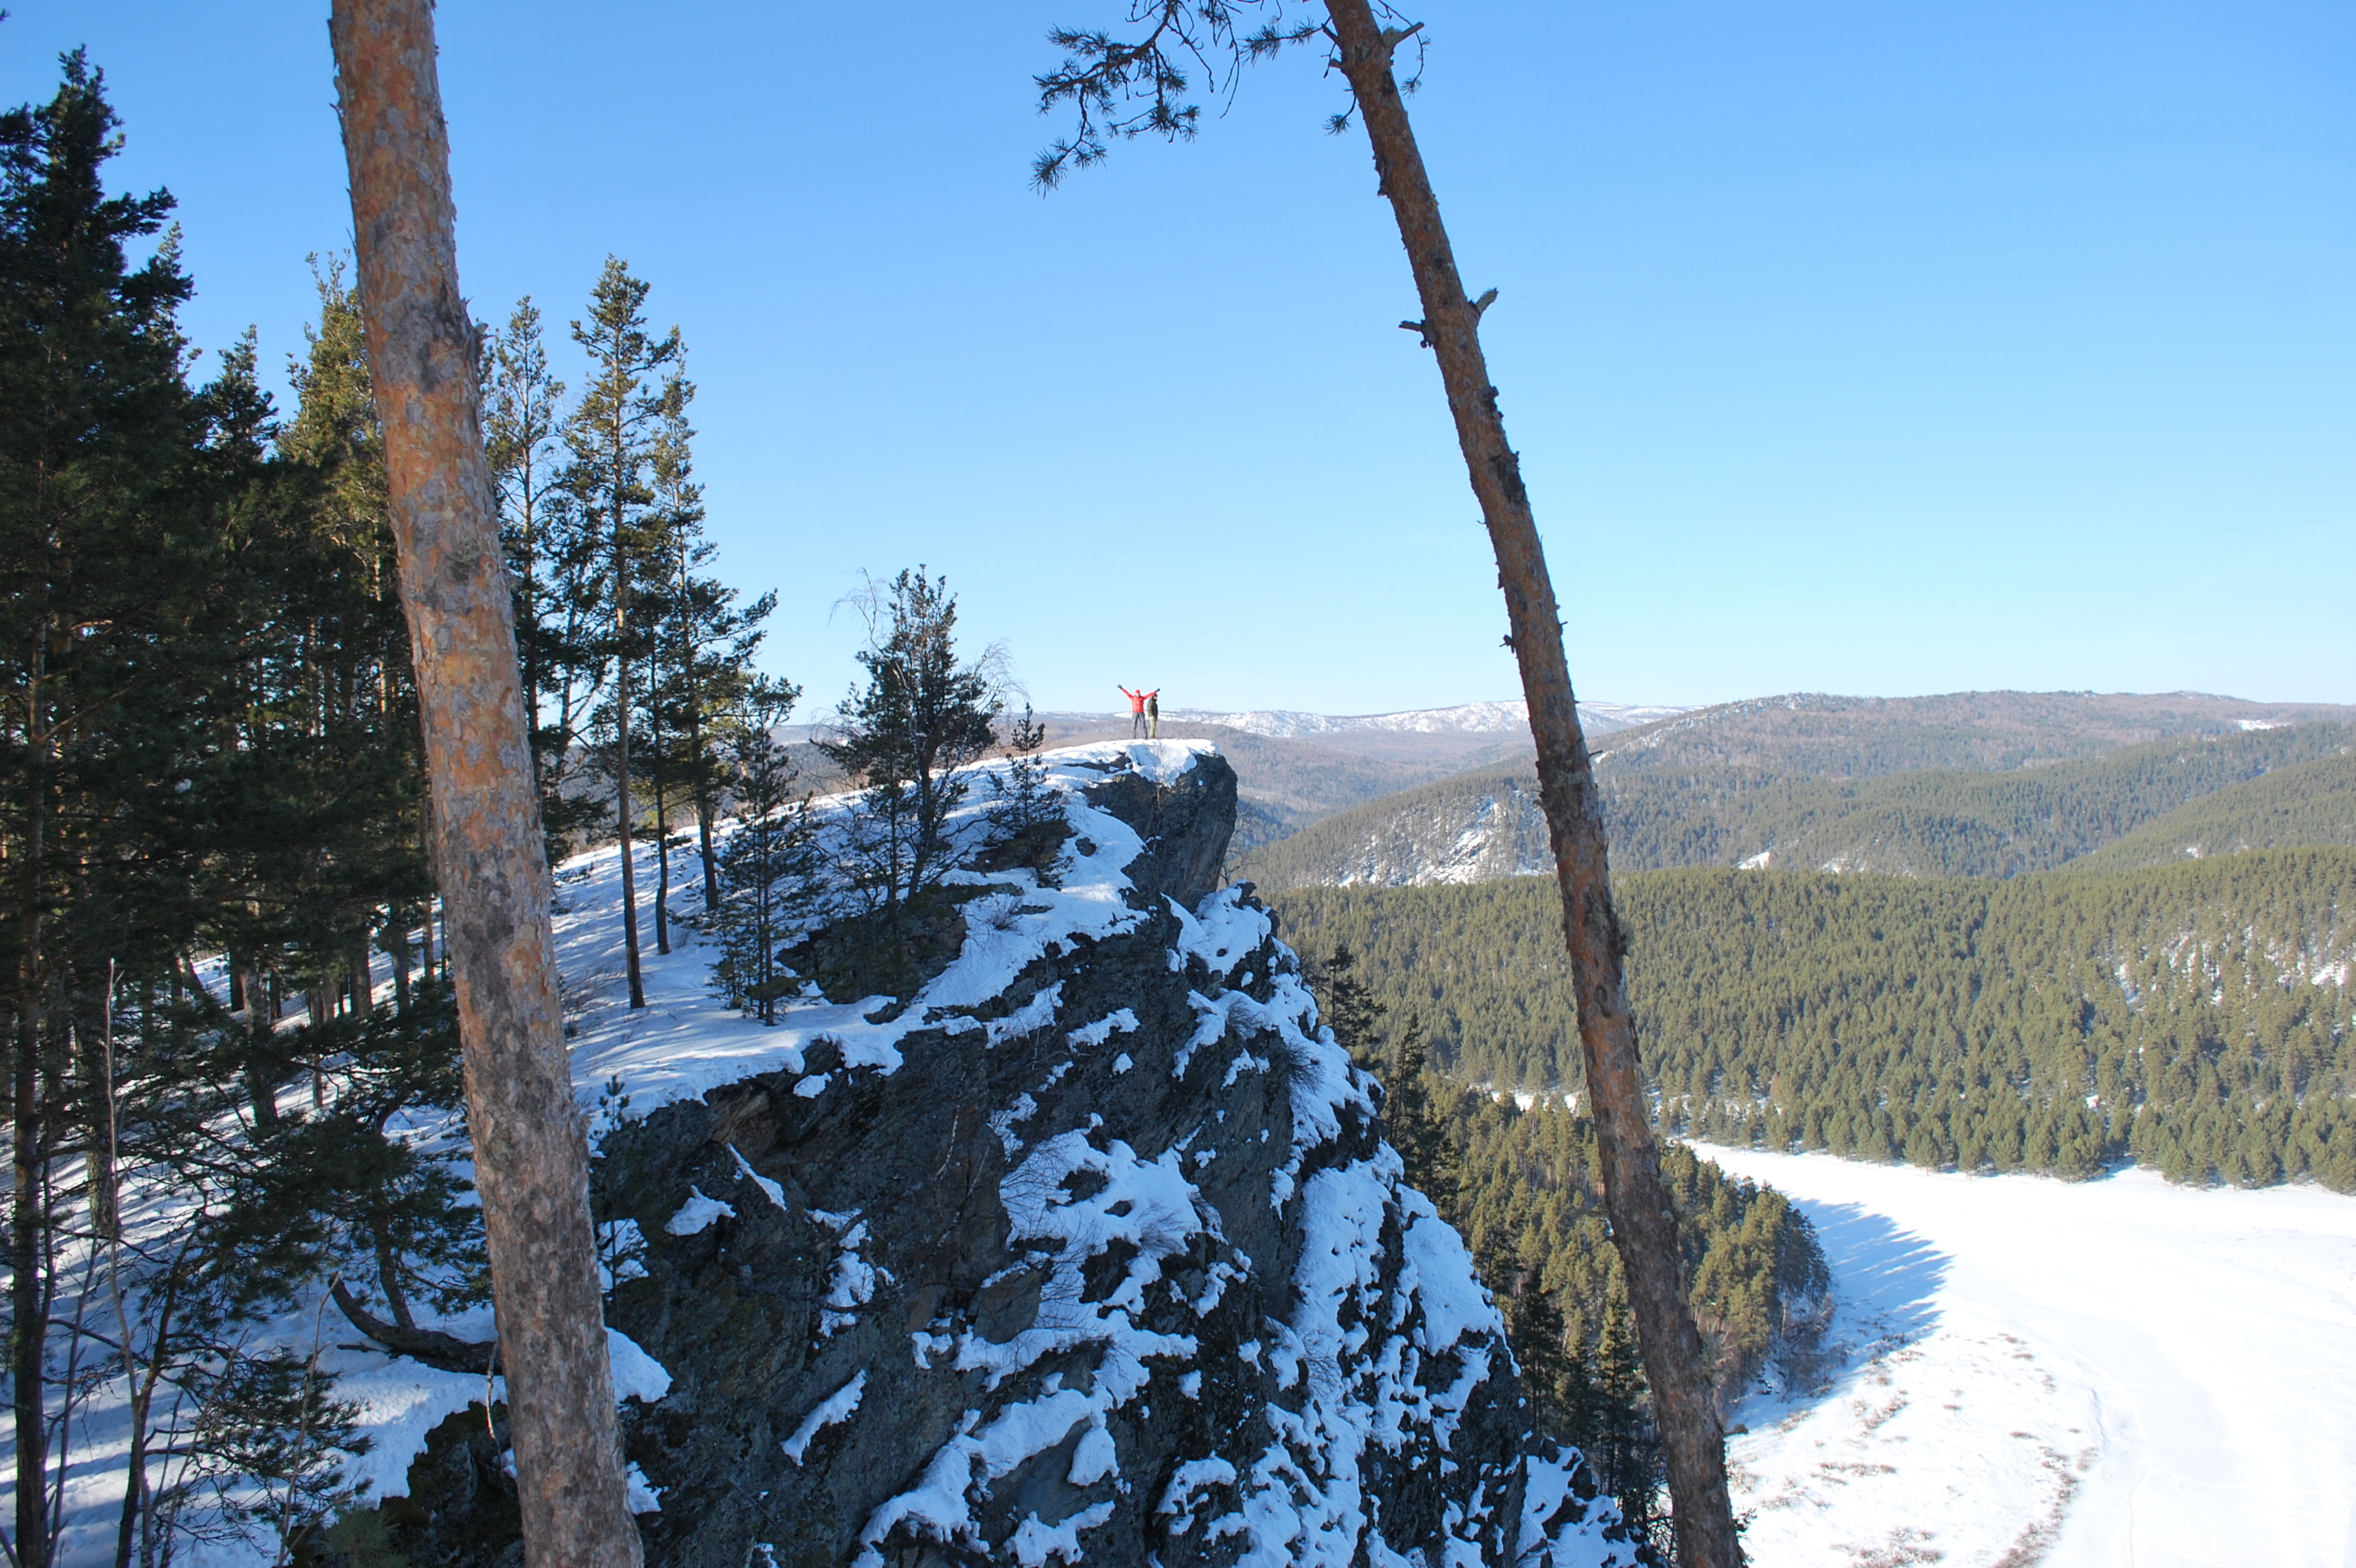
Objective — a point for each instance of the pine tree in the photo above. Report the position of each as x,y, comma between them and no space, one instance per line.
923,716
553,555
331,735
768,870
1027,825
709,642
103,555
489,848
611,437
700,650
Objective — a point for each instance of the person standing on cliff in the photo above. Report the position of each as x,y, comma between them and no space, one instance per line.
1154,714
1136,710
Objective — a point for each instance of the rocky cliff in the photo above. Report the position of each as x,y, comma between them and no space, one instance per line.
1088,1249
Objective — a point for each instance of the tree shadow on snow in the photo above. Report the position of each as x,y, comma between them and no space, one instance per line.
1880,1269
1885,1282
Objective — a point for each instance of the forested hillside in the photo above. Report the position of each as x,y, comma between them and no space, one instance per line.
2305,802
1523,1187
2195,1017
1864,737
1945,822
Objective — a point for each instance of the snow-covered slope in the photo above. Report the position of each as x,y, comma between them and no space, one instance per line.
1089,1251
1475,828
2109,1374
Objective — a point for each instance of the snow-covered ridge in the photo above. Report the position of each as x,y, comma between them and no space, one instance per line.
1207,1270
682,1044
1503,718
1086,1252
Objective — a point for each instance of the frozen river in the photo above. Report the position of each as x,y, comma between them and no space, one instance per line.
2108,1374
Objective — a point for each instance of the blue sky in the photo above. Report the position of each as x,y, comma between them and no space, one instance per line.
1866,347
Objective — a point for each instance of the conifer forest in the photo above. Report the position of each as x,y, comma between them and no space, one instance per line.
231,1034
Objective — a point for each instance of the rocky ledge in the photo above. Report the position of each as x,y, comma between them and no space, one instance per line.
1089,1250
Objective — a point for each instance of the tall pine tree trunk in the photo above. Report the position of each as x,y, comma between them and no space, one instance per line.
28,1292
622,758
1643,1226
662,806
530,1146
394,939
705,810
699,766
706,807
662,871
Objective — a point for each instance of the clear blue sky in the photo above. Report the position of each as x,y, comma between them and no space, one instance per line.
1876,348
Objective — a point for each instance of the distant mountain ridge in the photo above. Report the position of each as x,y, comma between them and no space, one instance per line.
1502,718
1972,785
1296,768
1817,735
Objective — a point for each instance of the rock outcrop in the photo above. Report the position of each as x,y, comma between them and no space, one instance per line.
1090,1250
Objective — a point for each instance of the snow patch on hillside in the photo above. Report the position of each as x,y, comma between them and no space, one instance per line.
1506,837
683,1045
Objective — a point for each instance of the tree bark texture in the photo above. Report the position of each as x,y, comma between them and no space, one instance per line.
530,1141
1643,1226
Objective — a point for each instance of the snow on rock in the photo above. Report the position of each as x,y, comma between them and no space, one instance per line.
838,1406
1013,1292
637,1375
696,1214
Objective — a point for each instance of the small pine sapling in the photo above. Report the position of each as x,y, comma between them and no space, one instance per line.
768,870
1027,825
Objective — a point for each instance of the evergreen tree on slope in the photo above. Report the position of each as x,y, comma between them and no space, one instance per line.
769,869
923,716
610,438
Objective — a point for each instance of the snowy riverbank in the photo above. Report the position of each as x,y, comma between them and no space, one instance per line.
2108,1374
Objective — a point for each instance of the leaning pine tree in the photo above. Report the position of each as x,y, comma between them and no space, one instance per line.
1100,78
531,1156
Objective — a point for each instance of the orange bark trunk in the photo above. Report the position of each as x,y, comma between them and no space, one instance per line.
531,1148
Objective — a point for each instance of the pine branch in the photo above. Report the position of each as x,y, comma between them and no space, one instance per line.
428,1347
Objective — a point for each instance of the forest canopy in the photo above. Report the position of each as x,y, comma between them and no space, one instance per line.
2193,1017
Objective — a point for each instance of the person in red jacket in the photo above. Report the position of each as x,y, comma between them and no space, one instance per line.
1136,710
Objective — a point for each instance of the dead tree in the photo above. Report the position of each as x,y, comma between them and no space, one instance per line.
1101,75
530,1146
